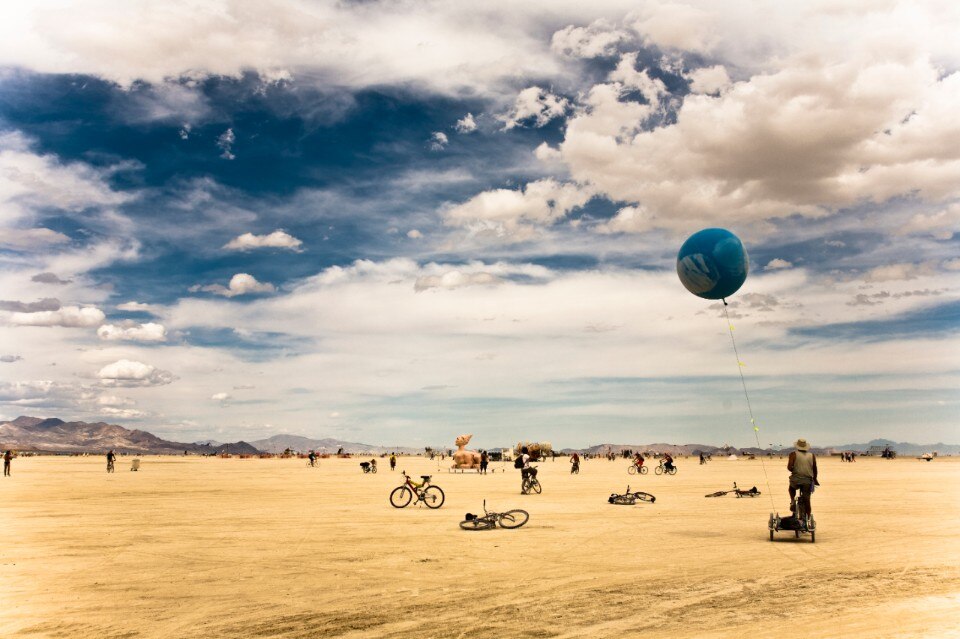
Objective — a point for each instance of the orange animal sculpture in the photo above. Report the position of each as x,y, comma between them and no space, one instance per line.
464,458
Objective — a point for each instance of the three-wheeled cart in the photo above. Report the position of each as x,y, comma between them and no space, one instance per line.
799,526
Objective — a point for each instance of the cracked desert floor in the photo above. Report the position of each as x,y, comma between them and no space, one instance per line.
206,547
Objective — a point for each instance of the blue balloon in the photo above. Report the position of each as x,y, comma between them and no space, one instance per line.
713,264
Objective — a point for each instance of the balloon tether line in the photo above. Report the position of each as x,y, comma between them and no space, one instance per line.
746,395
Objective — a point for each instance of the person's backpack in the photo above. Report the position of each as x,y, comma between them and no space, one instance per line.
518,462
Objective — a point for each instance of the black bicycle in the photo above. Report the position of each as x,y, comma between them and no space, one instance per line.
630,498
402,495
753,492
531,484
663,468
489,520
368,467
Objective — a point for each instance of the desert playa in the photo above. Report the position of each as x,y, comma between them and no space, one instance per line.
207,547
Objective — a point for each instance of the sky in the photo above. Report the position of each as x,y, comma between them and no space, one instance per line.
395,222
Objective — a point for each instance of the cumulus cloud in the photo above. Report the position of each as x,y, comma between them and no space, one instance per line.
438,141
240,284
777,263
132,331
131,373
277,239
709,80
49,278
514,215
534,107
68,316
599,39
466,124
414,234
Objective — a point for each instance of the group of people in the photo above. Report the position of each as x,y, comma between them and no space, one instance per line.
848,457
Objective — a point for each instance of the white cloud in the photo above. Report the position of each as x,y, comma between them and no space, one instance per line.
599,39
952,264
438,141
414,234
225,143
899,271
26,239
221,397
455,279
69,316
132,331
514,215
139,307
466,124
131,373
941,225
777,263
709,79
240,284
534,107
277,239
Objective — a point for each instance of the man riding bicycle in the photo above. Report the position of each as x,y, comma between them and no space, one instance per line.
667,461
638,461
802,465
526,470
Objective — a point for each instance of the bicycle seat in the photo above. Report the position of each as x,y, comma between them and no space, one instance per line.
426,477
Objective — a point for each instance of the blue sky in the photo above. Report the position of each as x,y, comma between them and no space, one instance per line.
393,222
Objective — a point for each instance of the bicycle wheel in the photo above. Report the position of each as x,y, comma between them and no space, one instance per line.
658,470
645,497
514,518
400,497
535,486
433,497
374,470
525,487
719,493
643,470
477,524
632,470
673,471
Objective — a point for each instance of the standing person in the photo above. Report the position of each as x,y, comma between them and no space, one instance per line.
574,464
111,458
702,460
7,457
393,461
484,460
802,465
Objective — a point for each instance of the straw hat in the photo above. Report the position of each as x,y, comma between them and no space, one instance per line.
802,445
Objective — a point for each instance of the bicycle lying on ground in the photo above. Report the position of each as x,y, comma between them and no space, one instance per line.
753,492
530,485
662,468
489,520
430,495
633,469
630,498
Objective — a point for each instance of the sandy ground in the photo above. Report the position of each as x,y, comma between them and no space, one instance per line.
191,547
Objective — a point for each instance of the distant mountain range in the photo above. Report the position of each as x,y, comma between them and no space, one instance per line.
56,435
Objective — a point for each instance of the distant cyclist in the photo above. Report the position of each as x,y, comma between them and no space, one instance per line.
638,461
111,458
525,469
313,458
668,461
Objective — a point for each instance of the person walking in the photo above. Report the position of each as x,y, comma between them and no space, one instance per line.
7,458
575,464
393,461
484,460
802,465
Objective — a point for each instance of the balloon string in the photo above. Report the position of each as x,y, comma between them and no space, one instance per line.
753,422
